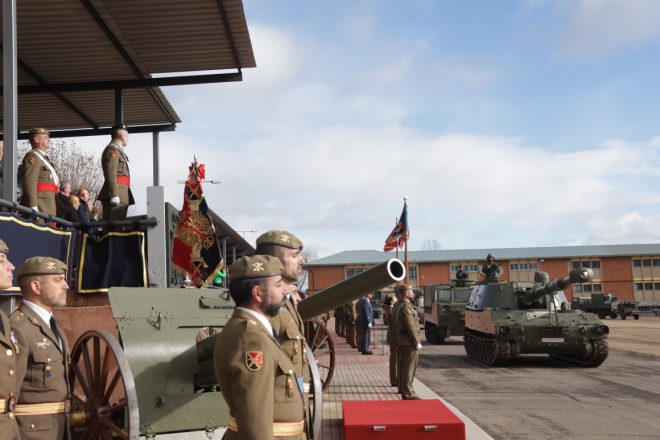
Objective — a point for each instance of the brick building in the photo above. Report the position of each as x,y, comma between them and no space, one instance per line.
631,271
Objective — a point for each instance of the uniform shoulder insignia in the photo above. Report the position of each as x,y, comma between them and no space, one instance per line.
30,159
111,153
253,360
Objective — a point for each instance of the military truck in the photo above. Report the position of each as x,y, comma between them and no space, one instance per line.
444,311
606,304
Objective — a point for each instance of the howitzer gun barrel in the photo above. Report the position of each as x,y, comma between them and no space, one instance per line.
582,275
346,291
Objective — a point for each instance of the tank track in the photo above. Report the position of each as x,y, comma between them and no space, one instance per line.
487,350
597,357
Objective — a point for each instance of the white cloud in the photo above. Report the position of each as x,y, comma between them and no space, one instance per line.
601,27
630,227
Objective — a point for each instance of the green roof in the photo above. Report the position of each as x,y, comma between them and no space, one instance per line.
373,257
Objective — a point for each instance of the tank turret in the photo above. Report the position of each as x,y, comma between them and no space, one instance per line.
543,287
507,319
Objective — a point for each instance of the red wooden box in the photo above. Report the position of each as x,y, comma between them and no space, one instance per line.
393,419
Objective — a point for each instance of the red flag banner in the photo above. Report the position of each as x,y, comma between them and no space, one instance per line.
196,250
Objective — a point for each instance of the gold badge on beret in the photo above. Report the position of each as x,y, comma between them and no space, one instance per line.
280,238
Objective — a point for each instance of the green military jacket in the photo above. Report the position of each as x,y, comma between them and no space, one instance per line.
115,171
289,328
8,379
256,379
392,329
407,323
43,372
33,171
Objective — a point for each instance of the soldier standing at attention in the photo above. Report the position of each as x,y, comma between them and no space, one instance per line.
461,276
9,385
40,181
392,332
115,194
365,322
43,355
350,315
339,321
254,373
491,270
288,325
408,343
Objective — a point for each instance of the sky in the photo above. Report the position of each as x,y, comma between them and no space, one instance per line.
505,123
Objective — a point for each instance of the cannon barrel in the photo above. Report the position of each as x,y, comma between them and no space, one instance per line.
346,291
582,275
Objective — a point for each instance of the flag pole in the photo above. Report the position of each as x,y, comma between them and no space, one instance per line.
405,204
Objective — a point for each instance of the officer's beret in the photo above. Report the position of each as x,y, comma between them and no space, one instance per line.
256,266
403,287
3,247
39,130
41,266
119,127
280,238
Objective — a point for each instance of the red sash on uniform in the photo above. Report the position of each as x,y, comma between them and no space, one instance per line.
123,180
47,187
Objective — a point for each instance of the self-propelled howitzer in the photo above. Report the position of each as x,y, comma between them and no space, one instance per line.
506,319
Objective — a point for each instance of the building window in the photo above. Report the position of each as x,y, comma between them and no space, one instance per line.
639,286
646,263
468,267
657,286
648,286
351,271
593,264
577,288
637,263
412,272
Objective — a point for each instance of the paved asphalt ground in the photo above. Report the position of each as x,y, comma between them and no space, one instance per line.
537,398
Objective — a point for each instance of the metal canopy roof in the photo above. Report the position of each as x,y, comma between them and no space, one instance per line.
74,54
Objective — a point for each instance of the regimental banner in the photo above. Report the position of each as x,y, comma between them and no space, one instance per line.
114,259
26,239
196,251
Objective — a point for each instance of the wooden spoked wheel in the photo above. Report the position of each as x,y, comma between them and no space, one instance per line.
320,342
104,401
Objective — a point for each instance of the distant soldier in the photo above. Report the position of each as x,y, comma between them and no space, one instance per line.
37,174
461,276
388,318
408,343
350,314
365,322
43,355
340,325
9,384
115,194
255,375
288,325
491,270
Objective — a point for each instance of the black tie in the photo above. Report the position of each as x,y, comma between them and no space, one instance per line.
53,327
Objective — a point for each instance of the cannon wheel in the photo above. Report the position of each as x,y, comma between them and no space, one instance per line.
102,388
315,413
320,342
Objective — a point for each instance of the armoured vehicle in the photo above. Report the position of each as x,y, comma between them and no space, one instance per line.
506,319
606,304
444,311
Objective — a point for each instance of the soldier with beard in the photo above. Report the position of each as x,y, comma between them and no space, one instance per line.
288,325
254,373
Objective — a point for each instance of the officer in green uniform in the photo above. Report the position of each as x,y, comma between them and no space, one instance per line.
408,343
8,351
255,375
392,333
288,325
350,314
340,326
115,194
43,356
39,179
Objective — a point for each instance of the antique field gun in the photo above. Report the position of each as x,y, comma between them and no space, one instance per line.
158,376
